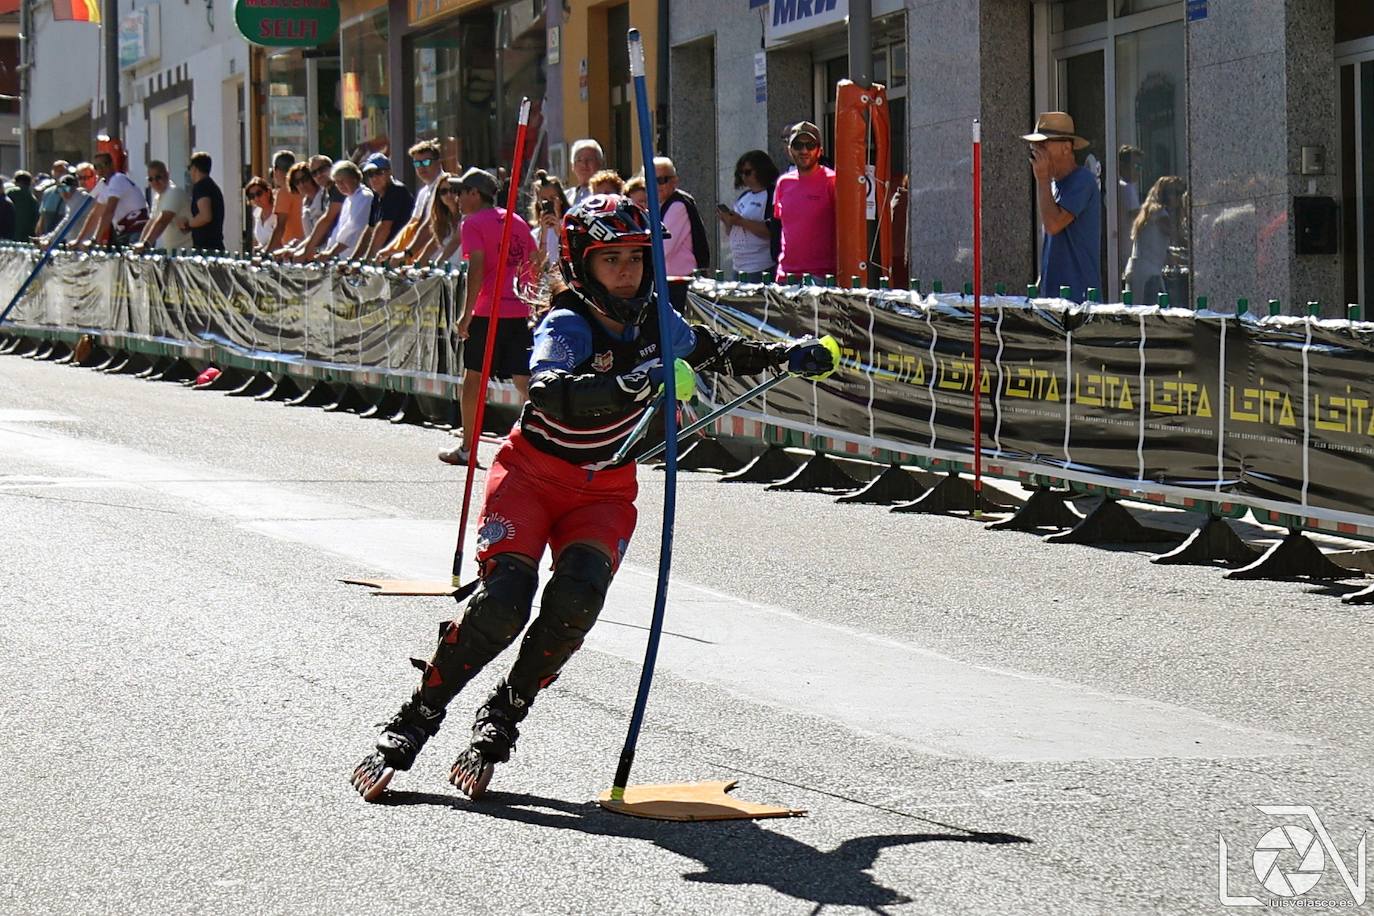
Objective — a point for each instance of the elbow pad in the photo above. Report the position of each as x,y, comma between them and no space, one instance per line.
561,394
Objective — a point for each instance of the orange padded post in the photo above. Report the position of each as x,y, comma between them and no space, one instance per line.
861,124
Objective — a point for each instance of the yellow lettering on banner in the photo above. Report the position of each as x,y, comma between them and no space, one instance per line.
849,356
1102,389
1032,383
1262,405
1179,397
1340,414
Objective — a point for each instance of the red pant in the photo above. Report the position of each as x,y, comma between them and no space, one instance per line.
535,500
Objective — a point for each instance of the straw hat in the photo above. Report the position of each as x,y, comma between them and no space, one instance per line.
1055,125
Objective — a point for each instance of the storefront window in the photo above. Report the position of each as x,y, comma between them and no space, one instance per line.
287,104
1127,7
521,38
454,89
1074,14
1354,20
364,87
1152,164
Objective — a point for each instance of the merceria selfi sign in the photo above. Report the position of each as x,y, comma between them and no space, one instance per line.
287,23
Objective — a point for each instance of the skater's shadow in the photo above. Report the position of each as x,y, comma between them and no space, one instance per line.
731,852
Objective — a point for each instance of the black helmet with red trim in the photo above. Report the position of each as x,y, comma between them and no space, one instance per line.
606,221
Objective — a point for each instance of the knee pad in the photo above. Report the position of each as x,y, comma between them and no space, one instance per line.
501,607
577,589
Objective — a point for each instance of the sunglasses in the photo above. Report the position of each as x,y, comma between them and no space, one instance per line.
254,195
422,163
450,189
804,145
157,177
664,179
322,170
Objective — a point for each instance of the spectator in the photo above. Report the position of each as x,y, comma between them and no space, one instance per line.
481,229
546,213
351,226
1070,208
51,210
413,240
170,207
753,230
259,196
392,203
638,191
73,197
313,204
446,241
1158,227
25,206
206,224
86,174
685,247
804,206
123,212
286,204
1127,197
607,181
6,217
327,204
587,160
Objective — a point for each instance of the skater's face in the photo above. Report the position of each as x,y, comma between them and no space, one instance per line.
620,270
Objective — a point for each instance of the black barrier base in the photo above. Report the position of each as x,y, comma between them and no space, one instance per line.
1109,522
318,395
134,364
708,454
1046,508
178,370
349,400
408,411
25,347
383,407
118,363
41,351
820,474
952,495
60,352
8,342
258,383
283,389
773,465
1363,596
893,485
1214,541
1294,557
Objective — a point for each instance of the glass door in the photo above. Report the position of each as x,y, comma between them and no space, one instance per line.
1082,89
1357,175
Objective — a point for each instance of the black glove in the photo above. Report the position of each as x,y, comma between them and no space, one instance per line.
809,358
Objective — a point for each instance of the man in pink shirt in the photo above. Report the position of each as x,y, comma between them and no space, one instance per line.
686,249
804,202
510,358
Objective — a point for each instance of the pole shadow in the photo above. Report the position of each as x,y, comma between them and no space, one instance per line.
730,852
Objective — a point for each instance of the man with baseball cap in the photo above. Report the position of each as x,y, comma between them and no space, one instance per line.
804,203
1070,208
392,202
484,306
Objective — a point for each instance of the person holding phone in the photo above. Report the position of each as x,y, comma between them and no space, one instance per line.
547,207
754,233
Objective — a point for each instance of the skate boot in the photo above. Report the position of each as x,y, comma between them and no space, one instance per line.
397,746
493,738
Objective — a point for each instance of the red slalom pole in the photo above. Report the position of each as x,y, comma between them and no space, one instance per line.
977,319
475,434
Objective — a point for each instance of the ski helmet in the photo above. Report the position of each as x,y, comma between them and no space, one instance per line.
606,221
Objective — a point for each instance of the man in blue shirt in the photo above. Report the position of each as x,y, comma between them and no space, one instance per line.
1070,208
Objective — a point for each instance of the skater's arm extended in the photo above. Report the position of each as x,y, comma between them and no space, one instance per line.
734,355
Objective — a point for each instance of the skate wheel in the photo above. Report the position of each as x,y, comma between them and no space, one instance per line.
471,776
371,777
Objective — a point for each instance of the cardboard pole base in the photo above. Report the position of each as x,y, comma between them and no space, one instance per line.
409,587
693,801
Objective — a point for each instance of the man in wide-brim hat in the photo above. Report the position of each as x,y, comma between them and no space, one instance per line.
1070,204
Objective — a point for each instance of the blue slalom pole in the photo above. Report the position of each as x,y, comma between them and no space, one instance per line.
665,346
47,256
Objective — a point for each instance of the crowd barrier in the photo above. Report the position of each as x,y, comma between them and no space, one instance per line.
1221,413
357,325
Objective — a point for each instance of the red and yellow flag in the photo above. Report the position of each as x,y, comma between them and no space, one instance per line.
76,10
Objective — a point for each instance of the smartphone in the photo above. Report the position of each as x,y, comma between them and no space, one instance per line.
546,206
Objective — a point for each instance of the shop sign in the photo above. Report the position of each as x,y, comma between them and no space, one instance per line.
792,17
139,37
425,10
287,23
1197,10
760,76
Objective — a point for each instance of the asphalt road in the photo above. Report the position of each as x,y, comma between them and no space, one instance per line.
975,722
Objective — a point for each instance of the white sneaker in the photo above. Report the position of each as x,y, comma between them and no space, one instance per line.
456,455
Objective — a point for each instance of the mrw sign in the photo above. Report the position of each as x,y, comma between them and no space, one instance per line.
788,18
